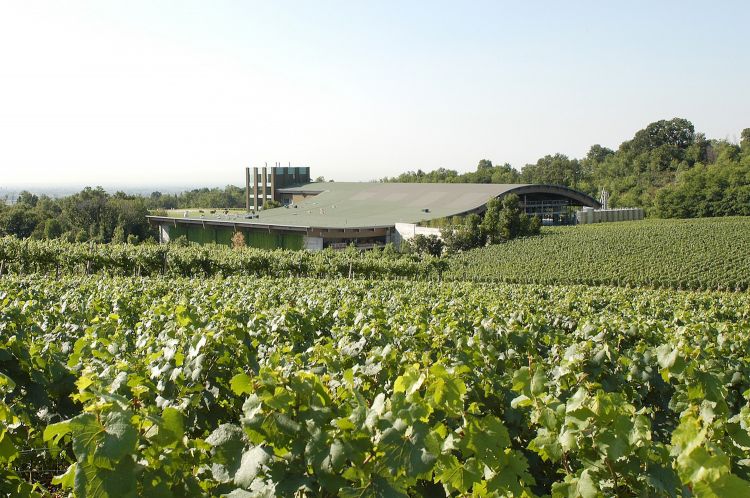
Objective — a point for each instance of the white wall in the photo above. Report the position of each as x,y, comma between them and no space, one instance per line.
590,215
163,233
406,231
313,244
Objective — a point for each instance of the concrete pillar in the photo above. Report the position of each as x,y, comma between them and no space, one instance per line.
264,183
588,215
273,182
247,189
163,233
255,189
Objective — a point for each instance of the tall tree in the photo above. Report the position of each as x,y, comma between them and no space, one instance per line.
484,164
490,226
510,217
19,220
745,140
556,169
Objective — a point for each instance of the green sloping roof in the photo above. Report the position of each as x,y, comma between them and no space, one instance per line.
363,205
344,205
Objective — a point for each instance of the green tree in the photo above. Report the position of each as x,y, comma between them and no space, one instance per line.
484,164
52,228
85,210
505,174
18,220
464,236
130,213
529,225
26,197
427,244
745,141
490,226
557,169
510,217
598,154
654,160
118,236
677,132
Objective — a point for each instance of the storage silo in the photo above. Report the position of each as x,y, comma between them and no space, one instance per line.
581,217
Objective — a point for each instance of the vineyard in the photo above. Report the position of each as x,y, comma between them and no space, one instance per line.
699,254
352,387
55,258
708,253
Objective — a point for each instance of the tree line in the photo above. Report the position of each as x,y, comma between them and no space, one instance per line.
667,168
98,216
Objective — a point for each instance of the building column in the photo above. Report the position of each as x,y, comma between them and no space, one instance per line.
247,189
255,189
264,183
273,182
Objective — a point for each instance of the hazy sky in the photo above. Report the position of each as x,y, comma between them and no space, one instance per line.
183,92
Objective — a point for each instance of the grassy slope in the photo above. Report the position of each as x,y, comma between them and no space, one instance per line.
700,253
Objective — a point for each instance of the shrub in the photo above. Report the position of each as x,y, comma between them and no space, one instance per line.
427,244
238,240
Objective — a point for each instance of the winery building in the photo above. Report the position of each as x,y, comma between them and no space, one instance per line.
316,215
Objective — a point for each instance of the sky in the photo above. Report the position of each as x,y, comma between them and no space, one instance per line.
191,92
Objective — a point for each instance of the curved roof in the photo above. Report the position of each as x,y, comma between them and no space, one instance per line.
371,205
578,198
359,205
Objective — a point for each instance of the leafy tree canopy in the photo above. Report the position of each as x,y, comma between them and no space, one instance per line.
667,168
